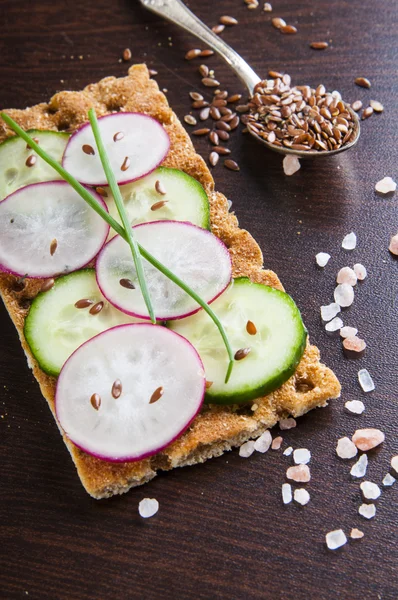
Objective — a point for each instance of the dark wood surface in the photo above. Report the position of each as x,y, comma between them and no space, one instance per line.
222,531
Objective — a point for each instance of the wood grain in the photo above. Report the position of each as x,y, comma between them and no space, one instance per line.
222,531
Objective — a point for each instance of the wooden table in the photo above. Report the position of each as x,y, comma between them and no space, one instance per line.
222,531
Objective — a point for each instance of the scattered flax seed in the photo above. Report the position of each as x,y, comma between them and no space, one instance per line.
335,539
367,510
207,52
359,468
190,120
118,136
193,53
95,401
319,45
148,507
204,70
217,29
288,423
357,105
83,303
368,112
159,187
393,247
365,381
215,113
251,328
356,407
277,443
354,346
386,185
213,160
363,82
388,480
208,384
288,29
157,394
47,285
299,473
242,353
126,54
196,96
286,493
127,283
222,150
356,534
345,448
277,22
377,106
246,449
203,131
251,4
126,164
101,191
301,496
209,82
31,160
367,439
227,20
234,98
35,139
117,389
53,246
267,7
158,205
87,149
204,113
94,310
231,165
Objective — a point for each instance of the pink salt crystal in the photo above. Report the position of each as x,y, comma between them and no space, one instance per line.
393,247
291,164
354,346
356,534
299,473
360,271
287,423
276,443
367,439
346,275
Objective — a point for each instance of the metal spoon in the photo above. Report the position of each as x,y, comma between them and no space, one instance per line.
176,12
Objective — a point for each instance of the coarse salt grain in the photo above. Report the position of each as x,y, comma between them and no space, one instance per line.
359,469
388,480
301,456
345,448
344,294
288,423
301,496
346,331
360,271
246,449
334,325
367,439
367,510
329,311
322,259
346,275
349,242
353,346
263,443
393,247
288,451
286,493
394,463
335,539
355,406
291,164
386,185
356,534
276,443
148,507
300,473
370,490
365,380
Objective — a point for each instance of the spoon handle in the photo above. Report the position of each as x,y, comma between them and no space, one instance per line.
176,12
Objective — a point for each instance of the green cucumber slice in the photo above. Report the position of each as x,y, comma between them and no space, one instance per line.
14,153
54,327
185,199
275,349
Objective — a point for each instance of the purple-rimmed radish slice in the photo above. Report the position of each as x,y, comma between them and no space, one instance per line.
48,229
195,255
135,143
129,392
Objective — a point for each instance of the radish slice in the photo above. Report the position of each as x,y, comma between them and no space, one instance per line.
135,143
47,229
129,392
195,255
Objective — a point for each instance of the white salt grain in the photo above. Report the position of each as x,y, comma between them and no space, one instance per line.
344,294
334,325
349,242
322,259
359,469
287,423
246,449
356,534
389,480
291,164
386,185
367,510
346,448
263,443
360,271
301,456
394,463
301,496
370,490
347,331
148,507
347,275
365,380
276,443
286,493
329,311
335,539
355,406
393,247
288,451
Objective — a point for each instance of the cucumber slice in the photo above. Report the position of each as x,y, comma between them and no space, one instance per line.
276,345
14,153
185,199
54,327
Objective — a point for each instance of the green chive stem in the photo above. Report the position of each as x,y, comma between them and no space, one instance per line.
94,204
111,179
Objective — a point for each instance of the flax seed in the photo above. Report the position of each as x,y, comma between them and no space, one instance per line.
47,285
200,104
234,122
215,113
126,54
217,29
242,353
203,131
31,160
159,187
222,150
117,389
208,384
226,20
251,328
277,22
157,394
152,72
190,120
118,136
95,401
223,135
209,82
366,113
363,82
126,164
207,52
213,137
83,303
196,96
234,98
35,139
204,70
319,45
127,283
288,29
94,310
101,191
223,126
231,165
193,53
158,205
377,106
204,114
53,246
219,103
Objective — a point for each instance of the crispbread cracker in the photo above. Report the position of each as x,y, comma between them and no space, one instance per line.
217,428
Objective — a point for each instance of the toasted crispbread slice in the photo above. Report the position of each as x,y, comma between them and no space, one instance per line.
217,428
